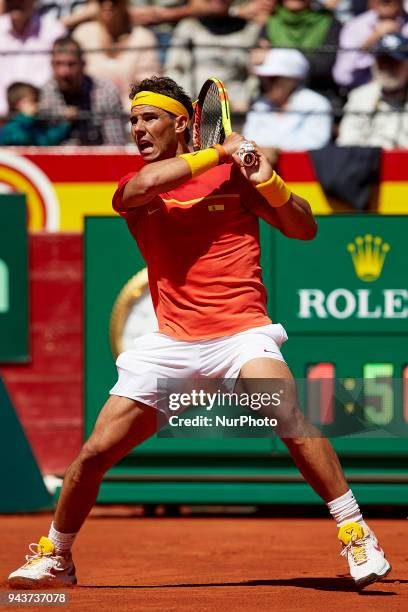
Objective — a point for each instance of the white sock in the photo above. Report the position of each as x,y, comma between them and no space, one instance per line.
62,541
345,509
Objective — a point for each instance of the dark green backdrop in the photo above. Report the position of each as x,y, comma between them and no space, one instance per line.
13,279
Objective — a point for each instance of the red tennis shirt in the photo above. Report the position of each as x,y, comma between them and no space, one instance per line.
200,242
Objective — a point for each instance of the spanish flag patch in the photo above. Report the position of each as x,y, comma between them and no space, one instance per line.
215,207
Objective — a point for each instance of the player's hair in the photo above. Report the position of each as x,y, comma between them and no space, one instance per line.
165,86
67,43
17,91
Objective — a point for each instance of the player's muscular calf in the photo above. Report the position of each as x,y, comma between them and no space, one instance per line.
312,453
121,425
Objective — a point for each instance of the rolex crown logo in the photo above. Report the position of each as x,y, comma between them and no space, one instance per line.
368,256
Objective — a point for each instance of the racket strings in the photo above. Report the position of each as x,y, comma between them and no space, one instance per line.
211,130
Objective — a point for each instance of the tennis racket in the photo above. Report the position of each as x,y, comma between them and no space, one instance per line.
212,120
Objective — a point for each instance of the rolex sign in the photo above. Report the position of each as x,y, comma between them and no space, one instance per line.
352,278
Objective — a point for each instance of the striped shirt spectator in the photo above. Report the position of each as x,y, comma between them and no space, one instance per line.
95,104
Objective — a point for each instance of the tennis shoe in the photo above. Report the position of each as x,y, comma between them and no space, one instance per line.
364,555
44,568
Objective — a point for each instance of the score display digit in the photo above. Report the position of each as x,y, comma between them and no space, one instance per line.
379,393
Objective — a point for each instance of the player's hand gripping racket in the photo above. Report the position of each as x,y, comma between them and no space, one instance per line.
212,120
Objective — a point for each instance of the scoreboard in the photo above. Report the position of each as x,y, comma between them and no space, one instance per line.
343,300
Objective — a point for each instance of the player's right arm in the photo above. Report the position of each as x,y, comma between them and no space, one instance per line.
153,179
162,176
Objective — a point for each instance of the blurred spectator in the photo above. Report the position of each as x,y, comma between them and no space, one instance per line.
254,10
94,104
60,9
26,128
360,6
376,114
146,12
353,64
295,24
215,45
342,9
288,116
69,12
112,31
164,14
160,11
30,36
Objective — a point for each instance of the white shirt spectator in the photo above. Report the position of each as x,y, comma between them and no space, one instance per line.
32,63
305,124
222,54
370,121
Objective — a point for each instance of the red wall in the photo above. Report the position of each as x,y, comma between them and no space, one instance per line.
47,392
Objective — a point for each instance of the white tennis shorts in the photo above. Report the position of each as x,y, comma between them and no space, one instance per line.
157,356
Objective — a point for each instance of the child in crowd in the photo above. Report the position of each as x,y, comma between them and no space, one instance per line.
26,127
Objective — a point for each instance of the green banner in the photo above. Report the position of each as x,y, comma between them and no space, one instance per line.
351,279
22,485
13,279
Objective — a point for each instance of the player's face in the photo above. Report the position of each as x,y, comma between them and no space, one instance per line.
153,130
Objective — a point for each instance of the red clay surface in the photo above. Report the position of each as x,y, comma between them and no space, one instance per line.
211,564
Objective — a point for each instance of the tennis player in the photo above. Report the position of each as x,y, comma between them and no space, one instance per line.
194,217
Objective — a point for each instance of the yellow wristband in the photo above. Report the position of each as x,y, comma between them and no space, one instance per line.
201,161
275,191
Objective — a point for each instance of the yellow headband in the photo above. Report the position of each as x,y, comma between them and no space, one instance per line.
160,101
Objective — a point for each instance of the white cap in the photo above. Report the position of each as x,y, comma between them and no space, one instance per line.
284,62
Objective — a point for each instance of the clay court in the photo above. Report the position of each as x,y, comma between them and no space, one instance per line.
214,564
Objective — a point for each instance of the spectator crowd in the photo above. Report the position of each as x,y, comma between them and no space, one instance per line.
301,74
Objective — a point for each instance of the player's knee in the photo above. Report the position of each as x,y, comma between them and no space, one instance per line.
94,459
294,442
292,423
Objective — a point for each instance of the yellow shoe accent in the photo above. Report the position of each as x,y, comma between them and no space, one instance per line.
352,537
45,546
350,533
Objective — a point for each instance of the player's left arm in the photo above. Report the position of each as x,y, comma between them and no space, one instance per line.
296,218
287,211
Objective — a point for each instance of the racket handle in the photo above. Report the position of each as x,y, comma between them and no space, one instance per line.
248,158
247,154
